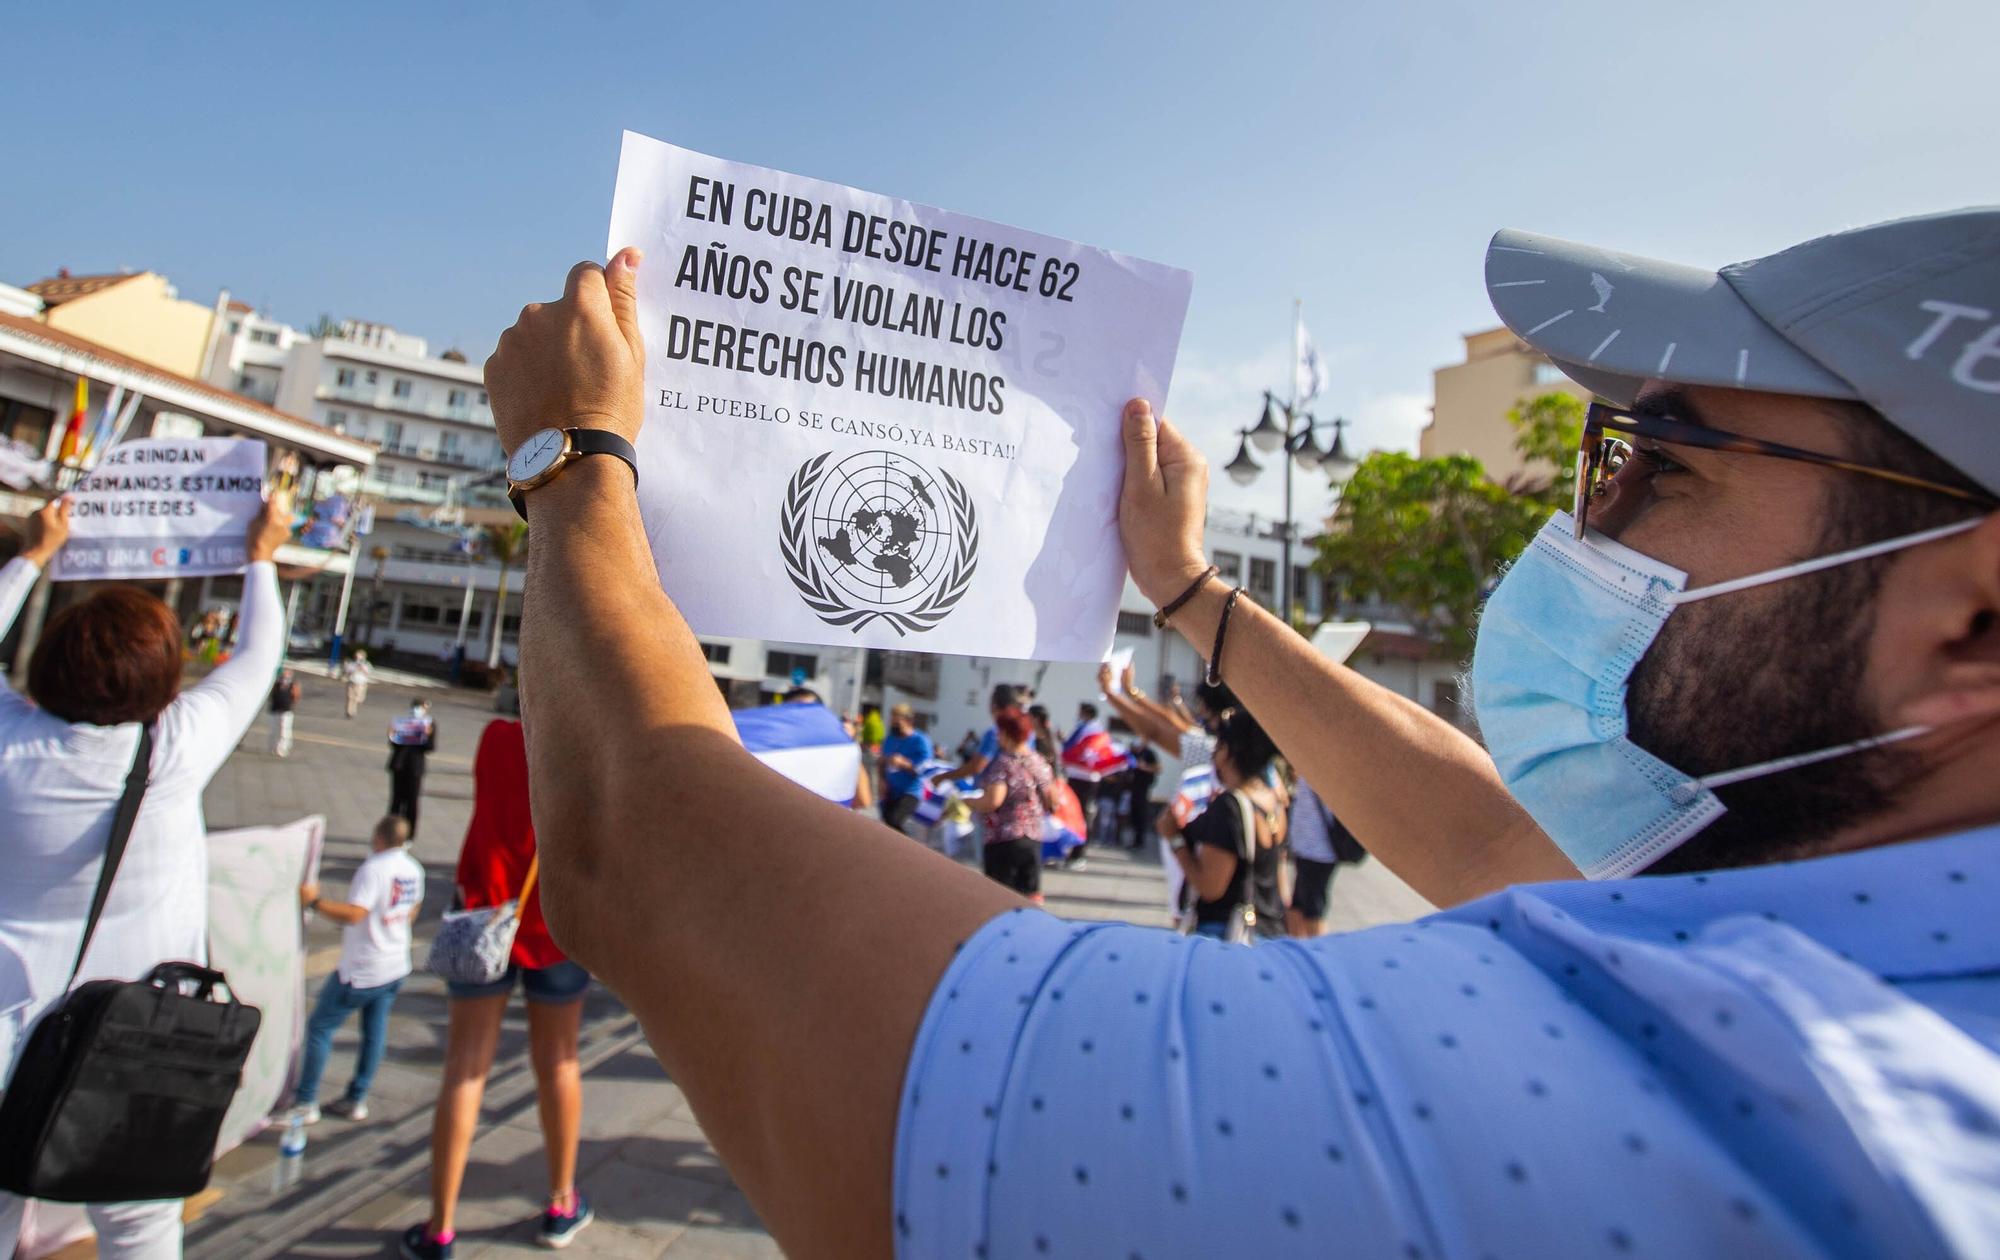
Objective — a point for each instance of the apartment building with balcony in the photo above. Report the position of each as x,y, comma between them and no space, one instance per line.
250,351
429,414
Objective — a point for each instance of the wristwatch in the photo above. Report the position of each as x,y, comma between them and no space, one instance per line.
541,458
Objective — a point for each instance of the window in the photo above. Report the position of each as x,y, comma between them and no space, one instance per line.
344,378
1303,593
1263,576
785,664
1137,623
246,383
717,653
1229,566
369,376
264,336
482,398
455,400
401,388
24,423
392,435
1547,373
448,449
235,326
337,421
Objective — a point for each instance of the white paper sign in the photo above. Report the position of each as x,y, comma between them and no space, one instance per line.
256,937
164,507
876,423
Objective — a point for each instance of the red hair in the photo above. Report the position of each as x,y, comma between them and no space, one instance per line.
115,657
1014,726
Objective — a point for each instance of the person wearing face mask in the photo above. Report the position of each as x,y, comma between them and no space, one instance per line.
1759,662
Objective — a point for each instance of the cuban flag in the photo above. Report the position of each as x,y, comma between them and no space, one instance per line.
931,801
1196,791
806,744
1089,754
1063,829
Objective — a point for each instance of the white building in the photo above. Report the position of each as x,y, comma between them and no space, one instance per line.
248,353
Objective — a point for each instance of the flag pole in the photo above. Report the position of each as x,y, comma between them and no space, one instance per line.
1291,422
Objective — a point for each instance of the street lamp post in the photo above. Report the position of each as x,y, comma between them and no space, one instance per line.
1295,436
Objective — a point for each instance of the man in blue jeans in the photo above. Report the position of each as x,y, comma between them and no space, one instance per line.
381,904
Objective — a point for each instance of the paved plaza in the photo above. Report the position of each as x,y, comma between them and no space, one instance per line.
656,1183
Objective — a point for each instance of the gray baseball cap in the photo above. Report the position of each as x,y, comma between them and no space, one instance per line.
1904,316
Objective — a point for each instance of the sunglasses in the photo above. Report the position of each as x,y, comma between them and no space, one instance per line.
1603,452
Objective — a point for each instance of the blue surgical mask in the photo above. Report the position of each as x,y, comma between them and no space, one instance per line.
1557,645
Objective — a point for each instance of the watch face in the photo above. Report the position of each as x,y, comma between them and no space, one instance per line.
536,455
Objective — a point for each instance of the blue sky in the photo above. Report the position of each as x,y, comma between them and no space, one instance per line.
435,166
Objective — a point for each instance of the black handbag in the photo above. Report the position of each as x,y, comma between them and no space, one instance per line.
120,1090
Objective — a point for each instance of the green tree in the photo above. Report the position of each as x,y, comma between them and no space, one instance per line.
1429,536
505,543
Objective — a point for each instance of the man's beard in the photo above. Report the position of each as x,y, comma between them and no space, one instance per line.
1746,678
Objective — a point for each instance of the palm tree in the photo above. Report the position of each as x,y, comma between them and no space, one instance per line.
504,543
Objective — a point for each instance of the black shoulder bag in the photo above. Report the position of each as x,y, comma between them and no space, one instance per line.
119,1092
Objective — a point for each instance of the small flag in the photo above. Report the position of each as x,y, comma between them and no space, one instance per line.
804,742
933,801
99,437
73,431
1308,373
410,730
1196,791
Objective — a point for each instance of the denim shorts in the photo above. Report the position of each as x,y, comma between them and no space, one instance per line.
555,985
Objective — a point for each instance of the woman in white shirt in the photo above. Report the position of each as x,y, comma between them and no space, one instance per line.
101,669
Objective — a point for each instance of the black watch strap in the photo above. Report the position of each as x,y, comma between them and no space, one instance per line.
588,442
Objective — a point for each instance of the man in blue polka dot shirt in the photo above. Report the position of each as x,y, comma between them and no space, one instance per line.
1758,663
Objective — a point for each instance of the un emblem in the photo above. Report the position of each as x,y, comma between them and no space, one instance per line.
877,536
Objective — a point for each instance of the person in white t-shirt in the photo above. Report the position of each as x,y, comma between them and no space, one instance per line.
357,675
382,902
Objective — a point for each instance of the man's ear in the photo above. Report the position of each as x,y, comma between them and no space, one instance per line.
1941,608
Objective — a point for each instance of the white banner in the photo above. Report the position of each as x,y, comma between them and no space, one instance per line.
162,508
256,937
876,423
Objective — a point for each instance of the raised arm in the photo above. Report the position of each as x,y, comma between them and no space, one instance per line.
201,727
1177,718
1144,723
1422,795
48,530
789,1036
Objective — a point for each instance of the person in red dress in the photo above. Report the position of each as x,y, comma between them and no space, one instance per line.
493,867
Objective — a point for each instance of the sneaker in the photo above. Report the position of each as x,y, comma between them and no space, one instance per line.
417,1244
560,1230
348,1108
308,1113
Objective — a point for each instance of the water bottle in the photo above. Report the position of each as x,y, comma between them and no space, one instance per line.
291,1151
